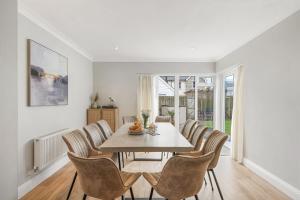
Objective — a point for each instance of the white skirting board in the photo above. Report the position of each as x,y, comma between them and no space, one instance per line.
281,185
40,177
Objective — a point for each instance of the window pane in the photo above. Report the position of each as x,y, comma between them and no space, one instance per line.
186,99
206,102
229,89
166,93
206,80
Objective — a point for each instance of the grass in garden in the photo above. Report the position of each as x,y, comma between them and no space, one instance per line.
209,124
228,126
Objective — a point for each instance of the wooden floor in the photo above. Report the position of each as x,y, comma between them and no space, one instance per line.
237,183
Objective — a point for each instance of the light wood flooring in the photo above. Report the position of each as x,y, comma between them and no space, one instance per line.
236,181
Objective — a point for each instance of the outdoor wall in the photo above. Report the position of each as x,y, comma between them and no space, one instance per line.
119,79
272,79
8,100
38,121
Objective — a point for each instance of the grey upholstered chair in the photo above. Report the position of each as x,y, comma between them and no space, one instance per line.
100,177
181,177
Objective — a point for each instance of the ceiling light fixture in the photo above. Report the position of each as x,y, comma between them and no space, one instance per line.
116,48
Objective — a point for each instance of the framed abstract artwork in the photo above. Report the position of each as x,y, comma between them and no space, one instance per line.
47,76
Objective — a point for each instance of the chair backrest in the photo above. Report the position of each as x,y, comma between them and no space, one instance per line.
197,136
214,143
129,119
182,176
188,127
99,177
94,135
105,128
166,119
77,143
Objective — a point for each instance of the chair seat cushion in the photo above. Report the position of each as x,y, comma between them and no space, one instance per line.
152,178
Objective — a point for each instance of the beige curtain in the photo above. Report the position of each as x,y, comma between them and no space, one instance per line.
145,95
237,130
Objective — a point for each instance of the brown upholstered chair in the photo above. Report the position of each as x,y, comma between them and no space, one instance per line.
96,138
107,133
196,139
105,128
214,142
100,177
188,128
129,119
166,119
94,135
77,144
181,177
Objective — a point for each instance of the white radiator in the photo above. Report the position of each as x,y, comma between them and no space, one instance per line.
49,148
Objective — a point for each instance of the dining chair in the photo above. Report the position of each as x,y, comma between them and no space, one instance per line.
166,119
188,127
213,143
94,135
100,178
196,139
77,144
107,133
129,119
105,128
96,138
181,177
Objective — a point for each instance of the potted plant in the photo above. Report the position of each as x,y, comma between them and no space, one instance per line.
94,100
172,114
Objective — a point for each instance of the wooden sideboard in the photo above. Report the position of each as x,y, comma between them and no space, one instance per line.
111,115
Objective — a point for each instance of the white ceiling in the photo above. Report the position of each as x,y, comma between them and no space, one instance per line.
158,30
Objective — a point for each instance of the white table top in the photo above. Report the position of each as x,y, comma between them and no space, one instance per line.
168,140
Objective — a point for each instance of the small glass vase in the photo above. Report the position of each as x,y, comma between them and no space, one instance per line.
145,122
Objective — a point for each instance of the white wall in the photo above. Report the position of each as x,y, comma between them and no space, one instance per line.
8,99
119,79
272,80
38,121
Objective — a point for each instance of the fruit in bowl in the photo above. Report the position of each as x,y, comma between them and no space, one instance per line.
136,127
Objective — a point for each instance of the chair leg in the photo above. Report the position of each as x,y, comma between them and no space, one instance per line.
205,181
131,193
119,161
123,159
196,197
151,193
122,197
84,197
212,187
219,189
71,187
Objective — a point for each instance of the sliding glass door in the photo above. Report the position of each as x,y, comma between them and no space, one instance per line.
206,95
165,87
228,102
186,97
186,94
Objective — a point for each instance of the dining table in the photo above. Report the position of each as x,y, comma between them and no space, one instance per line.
166,138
